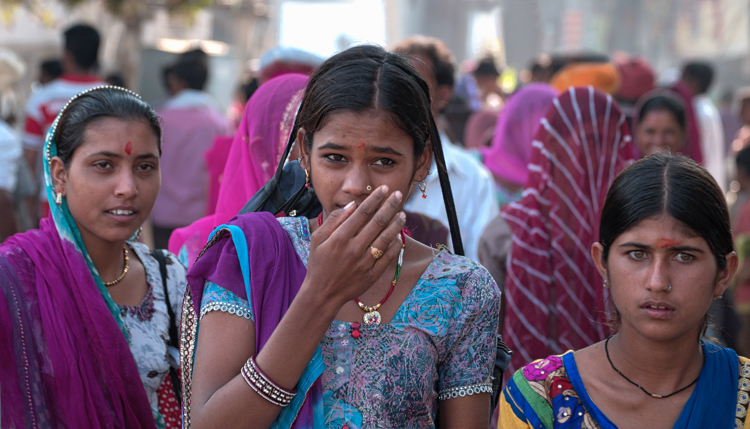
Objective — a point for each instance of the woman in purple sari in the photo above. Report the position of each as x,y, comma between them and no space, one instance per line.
83,314
343,321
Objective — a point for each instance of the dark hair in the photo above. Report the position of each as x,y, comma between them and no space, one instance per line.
96,105
673,185
434,50
83,42
249,88
487,67
116,79
663,103
743,160
196,54
367,77
701,72
52,68
193,72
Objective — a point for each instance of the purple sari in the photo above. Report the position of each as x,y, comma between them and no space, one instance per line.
65,361
254,258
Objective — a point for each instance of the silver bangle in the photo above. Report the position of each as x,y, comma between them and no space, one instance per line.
263,385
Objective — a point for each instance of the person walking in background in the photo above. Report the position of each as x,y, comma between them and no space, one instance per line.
553,292
79,64
660,124
255,152
191,119
84,310
472,184
665,252
698,77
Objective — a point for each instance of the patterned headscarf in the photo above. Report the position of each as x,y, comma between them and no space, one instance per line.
554,293
64,349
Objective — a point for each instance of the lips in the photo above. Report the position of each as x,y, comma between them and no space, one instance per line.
119,212
657,309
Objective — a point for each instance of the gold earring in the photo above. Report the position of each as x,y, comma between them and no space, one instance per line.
58,198
423,187
369,188
307,179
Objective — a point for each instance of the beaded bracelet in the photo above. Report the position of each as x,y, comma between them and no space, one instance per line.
263,385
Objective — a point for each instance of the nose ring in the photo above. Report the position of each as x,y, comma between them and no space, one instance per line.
369,188
669,287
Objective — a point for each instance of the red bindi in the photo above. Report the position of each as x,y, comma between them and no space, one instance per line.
128,148
662,243
361,145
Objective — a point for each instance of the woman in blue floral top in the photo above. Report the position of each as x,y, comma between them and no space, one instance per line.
343,321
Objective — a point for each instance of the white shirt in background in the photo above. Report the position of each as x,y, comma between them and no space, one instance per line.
712,138
471,184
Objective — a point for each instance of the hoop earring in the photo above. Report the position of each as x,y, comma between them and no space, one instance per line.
58,198
422,187
307,179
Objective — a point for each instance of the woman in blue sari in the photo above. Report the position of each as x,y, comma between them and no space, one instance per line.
665,251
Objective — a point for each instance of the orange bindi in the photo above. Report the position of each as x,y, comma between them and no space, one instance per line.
662,243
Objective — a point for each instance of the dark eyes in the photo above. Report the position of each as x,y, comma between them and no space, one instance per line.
382,162
106,165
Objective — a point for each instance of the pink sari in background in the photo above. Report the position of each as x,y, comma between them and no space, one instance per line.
555,299
508,157
253,157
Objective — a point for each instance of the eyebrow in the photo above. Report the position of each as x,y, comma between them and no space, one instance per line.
117,155
378,149
647,247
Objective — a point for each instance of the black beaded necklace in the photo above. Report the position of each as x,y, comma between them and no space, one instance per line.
653,395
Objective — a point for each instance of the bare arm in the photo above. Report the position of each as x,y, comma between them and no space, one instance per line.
221,397
468,412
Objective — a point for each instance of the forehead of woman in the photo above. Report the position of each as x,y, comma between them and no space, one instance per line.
119,136
369,126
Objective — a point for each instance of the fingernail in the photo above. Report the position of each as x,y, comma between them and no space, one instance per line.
398,195
384,188
351,203
402,215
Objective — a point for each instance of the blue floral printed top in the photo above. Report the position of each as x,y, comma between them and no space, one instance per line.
439,345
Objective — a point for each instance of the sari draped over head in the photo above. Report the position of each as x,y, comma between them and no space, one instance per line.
253,257
668,93
64,353
508,157
255,153
554,293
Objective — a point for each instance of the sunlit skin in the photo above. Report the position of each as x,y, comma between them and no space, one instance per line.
101,178
657,341
350,152
659,131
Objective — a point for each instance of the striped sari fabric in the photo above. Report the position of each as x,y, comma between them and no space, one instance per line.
555,299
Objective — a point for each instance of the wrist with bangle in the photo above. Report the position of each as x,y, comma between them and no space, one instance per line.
264,386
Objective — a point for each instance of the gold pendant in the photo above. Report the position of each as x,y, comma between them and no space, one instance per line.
372,318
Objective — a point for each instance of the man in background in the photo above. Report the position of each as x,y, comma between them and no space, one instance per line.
191,119
698,77
79,64
471,183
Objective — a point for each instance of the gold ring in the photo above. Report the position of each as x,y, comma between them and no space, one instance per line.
376,253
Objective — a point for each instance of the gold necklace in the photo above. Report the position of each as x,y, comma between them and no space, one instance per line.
124,271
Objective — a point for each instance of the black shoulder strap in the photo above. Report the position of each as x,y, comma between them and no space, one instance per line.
174,340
